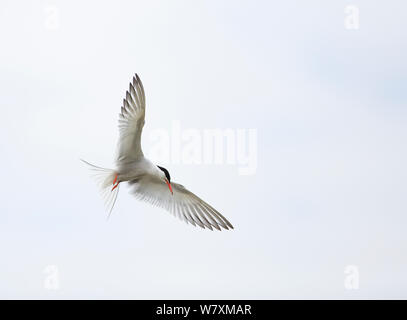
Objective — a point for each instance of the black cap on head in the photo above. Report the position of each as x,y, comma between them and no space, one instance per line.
167,174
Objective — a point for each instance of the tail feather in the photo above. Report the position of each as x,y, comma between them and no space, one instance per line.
104,178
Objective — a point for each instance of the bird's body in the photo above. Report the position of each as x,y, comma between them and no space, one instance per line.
148,181
136,169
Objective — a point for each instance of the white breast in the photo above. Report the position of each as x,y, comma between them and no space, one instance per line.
136,169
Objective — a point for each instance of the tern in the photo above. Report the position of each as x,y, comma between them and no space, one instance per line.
149,182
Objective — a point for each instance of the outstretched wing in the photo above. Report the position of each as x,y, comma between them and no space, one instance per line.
182,203
131,122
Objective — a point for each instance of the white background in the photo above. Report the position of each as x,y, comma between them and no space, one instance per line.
329,106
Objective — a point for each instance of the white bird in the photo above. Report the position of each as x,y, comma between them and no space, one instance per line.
148,181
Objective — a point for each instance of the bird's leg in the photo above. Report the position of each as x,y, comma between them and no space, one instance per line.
114,182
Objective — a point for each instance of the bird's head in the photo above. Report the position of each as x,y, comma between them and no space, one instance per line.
165,175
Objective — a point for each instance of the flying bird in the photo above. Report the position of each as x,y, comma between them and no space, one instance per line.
149,182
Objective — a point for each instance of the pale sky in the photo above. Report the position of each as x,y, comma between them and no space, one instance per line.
329,108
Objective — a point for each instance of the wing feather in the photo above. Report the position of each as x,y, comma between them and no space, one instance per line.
131,122
182,203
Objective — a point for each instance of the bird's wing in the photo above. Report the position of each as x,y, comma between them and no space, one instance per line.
182,203
131,122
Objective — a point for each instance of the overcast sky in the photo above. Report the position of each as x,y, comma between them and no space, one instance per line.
328,105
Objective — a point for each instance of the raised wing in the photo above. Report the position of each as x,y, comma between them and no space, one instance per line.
131,122
182,203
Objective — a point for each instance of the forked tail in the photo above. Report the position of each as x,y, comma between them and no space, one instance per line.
106,180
